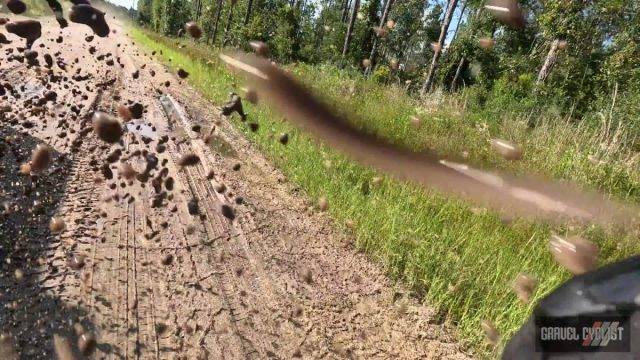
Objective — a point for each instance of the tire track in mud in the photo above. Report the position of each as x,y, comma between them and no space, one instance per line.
265,308
160,297
162,290
220,272
128,309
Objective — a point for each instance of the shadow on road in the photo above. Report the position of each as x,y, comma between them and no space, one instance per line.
29,311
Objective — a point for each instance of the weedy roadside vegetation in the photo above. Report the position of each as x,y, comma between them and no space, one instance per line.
462,259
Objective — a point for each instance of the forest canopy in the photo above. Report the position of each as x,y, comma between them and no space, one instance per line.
571,56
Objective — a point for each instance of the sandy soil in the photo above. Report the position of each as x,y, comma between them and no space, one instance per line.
151,267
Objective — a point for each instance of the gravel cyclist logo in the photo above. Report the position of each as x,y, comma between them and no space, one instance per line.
583,334
600,333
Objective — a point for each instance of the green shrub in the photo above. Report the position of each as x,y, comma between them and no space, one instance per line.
382,74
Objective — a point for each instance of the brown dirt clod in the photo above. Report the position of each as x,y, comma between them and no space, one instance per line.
107,128
57,225
189,159
40,158
193,29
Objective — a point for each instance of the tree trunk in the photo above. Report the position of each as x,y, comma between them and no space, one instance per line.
247,16
217,21
455,32
197,10
370,36
296,35
374,48
552,55
352,24
319,33
428,83
345,10
457,75
319,36
228,27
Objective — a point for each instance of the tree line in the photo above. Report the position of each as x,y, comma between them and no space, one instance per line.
574,51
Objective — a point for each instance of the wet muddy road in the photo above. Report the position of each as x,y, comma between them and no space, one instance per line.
161,245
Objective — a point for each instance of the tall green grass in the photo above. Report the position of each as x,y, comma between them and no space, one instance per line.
460,259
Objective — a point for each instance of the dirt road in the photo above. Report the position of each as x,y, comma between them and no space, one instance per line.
152,266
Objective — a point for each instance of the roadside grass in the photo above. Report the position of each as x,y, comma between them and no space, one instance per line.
460,259
35,8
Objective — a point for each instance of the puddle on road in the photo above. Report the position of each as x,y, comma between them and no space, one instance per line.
141,128
169,109
31,88
221,146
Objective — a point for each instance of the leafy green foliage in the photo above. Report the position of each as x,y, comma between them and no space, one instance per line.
382,74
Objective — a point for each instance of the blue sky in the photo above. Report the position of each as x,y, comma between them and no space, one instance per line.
454,20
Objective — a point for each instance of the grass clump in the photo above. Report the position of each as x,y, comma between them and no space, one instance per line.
461,259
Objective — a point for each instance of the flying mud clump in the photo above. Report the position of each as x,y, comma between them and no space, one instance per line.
182,73
524,285
127,171
30,30
189,159
16,6
167,259
136,110
57,225
107,128
283,138
124,113
193,29
260,48
491,333
228,212
507,12
574,253
40,158
250,95
76,262
234,105
90,16
506,149
323,204
87,343
62,347
523,196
